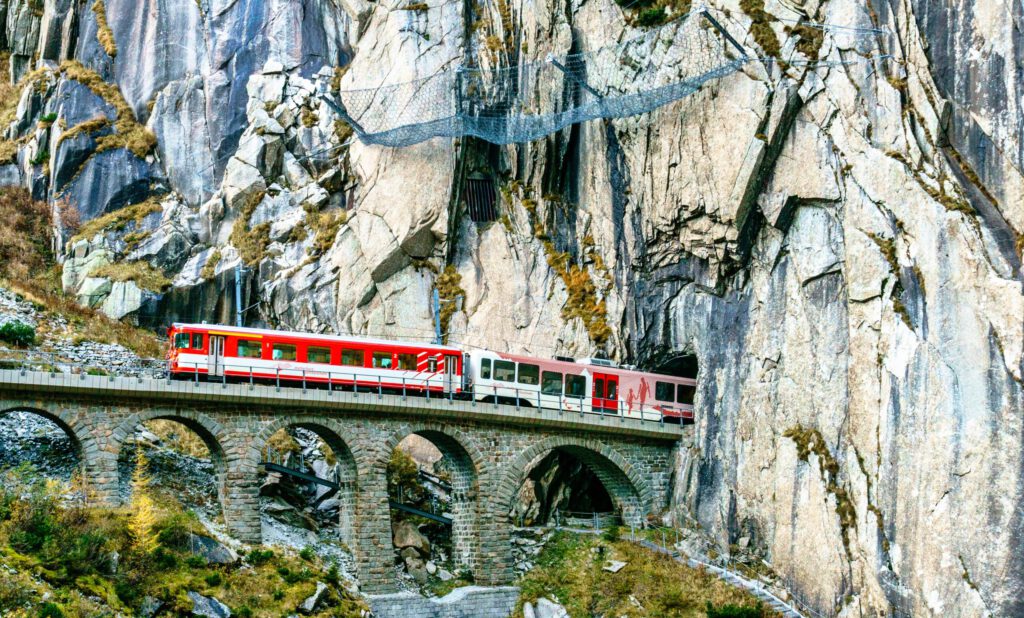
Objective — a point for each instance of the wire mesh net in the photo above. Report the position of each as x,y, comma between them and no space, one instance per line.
531,100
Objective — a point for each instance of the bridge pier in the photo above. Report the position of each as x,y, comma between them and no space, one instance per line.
240,501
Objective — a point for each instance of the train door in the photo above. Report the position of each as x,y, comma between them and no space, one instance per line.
451,371
215,361
606,393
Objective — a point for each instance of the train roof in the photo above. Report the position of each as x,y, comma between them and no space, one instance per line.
263,332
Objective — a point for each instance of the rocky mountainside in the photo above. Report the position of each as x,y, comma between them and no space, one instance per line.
831,235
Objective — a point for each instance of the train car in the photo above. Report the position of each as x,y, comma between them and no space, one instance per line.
587,385
221,352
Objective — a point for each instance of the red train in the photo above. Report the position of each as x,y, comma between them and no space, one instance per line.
587,385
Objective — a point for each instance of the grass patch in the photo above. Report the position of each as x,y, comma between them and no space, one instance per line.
251,242
810,441
449,288
118,219
888,248
66,551
324,225
104,34
809,39
569,569
141,273
760,26
210,267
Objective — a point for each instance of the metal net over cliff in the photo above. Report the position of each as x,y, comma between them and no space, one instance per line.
531,100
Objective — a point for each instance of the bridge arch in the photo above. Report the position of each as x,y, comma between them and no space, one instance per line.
99,468
213,435
627,487
466,466
330,432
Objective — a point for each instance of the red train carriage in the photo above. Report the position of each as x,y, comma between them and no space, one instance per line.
257,354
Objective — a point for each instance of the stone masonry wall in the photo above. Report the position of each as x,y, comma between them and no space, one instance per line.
489,463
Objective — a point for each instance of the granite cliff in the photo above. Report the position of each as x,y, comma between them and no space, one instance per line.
832,236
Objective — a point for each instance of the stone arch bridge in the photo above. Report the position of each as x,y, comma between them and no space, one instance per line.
490,448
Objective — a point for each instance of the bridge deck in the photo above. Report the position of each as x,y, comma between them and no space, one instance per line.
14,382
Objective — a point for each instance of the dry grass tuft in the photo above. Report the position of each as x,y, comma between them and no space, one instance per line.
252,242
210,267
449,288
325,224
104,34
24,237
141,274
760,26
118,219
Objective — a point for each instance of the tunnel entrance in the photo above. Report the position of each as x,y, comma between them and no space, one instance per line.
680,366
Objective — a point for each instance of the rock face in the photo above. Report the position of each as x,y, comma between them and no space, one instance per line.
832,241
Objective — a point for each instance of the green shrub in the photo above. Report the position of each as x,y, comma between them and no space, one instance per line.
164,560
307,553
50,610
244,612
651,17
258,557
213,580
18,334
612,534
126,591
48,118
196,562
734,611
175,531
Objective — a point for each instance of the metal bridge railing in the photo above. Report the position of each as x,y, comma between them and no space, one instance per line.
334,379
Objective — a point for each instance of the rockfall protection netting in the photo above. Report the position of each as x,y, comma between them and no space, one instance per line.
531,100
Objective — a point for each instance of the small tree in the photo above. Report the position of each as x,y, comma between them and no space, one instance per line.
143,516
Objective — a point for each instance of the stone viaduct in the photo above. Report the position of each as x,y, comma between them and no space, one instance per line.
490,449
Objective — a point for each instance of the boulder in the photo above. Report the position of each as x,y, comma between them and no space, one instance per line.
407,535
330,504
549,609
208,607
150,607
212,550
528,611
431,567
315,600
445,575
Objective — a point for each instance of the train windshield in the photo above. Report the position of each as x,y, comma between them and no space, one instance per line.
181,341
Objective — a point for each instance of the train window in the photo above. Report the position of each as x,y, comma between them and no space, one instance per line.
249,349
529,374
284,352
352,358
318,355
599,388
197,341
407,362
575,386
685,394
551,383
382,360
181,341
504,371
485,369
613,391
432,365
664,391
